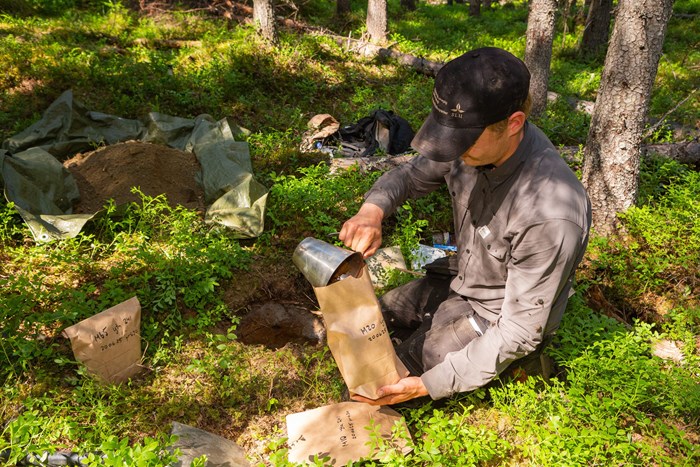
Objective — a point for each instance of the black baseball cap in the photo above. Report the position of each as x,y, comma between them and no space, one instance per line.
471,92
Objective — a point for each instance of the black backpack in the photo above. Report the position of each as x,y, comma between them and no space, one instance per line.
381,130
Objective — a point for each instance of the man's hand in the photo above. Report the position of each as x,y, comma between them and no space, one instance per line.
363,231
405,389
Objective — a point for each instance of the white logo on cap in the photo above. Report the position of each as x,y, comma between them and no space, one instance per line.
457,111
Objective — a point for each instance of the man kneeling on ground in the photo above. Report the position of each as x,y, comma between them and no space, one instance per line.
521,224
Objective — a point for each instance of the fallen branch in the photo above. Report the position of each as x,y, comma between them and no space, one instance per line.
686,153
651,130
166,43
685,15
368,164
238,9
367,49
577,104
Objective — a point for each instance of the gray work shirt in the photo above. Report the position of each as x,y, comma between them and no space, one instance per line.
521,230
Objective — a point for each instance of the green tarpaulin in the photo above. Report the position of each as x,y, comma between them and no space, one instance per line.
43,191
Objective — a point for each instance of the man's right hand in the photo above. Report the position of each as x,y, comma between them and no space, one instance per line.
363,231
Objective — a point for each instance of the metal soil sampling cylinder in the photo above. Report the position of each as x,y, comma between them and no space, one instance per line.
323,263
357,334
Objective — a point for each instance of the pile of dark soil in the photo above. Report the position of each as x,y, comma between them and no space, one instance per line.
111,172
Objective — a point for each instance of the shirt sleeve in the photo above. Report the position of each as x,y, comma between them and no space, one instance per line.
413,179
540,269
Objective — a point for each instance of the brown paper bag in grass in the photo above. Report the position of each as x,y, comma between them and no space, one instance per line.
340,432
357,335
109,343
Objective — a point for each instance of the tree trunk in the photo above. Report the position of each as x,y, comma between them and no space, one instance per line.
596,32
538,50
408,4
486,4
342,8
474,7
377,23
264,20
613,147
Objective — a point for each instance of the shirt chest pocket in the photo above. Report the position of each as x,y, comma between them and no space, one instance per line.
495,254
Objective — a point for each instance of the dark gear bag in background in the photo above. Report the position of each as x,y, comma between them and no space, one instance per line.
381,130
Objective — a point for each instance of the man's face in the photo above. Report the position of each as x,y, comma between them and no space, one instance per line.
492,147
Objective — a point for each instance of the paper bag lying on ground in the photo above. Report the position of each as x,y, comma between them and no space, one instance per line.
357,335
109,343
339,431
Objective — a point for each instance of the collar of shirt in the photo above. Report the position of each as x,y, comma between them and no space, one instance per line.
497,175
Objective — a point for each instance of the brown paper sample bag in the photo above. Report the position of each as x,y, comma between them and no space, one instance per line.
339,431
357,335
109,343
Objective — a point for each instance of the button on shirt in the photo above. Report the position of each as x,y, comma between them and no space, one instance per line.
521,230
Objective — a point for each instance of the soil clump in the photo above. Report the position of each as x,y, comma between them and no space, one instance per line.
112,171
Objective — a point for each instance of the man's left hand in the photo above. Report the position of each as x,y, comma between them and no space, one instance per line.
405,389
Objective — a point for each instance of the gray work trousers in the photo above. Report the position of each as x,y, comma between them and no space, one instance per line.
427,321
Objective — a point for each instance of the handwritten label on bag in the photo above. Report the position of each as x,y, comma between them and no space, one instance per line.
109,343
374,330
346,428
340,432
357,335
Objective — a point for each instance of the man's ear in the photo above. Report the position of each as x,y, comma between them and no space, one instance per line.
516,122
